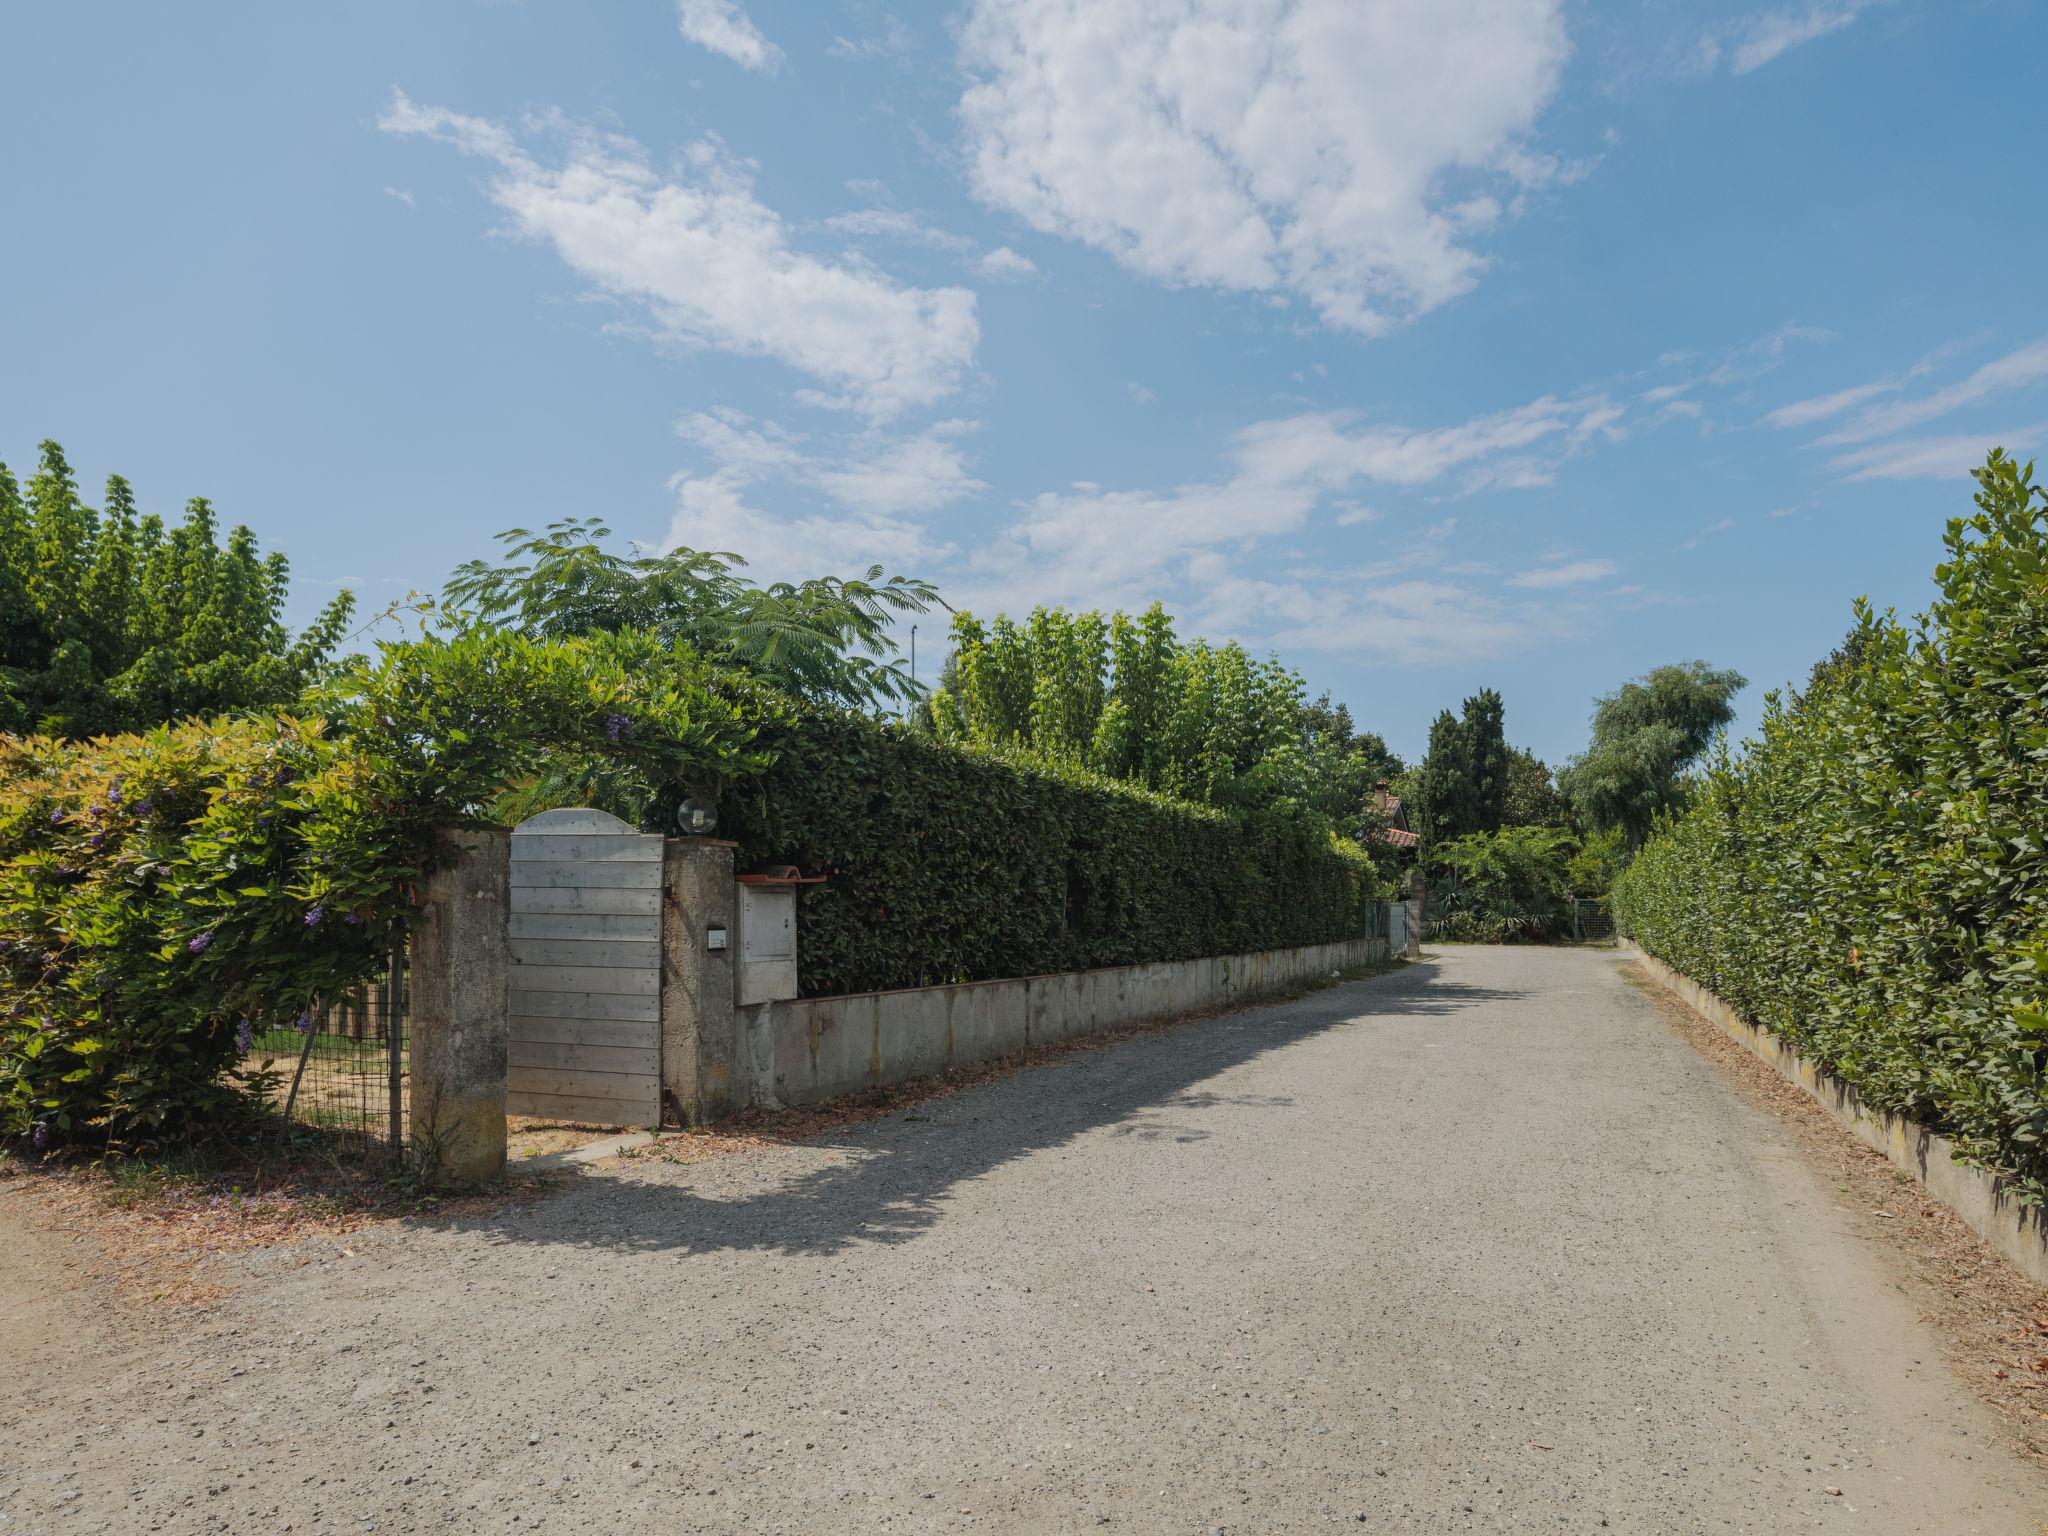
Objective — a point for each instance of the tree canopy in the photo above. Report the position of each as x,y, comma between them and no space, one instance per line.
1646,734
1128,698
1462,787
825,640
111,622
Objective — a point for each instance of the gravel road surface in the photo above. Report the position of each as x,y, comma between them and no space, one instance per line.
1479,1246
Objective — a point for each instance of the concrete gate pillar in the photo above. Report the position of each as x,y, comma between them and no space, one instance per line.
461,998
699,1033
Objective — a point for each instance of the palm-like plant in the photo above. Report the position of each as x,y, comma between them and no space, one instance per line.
825,640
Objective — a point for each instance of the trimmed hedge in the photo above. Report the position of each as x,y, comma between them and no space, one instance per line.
948,865
1869,880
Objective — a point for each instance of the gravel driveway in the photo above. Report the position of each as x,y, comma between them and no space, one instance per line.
1476,1247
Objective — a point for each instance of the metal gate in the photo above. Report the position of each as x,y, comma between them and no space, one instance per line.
1592,918
585,1039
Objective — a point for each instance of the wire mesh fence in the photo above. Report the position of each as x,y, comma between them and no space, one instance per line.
1592,918
341,1066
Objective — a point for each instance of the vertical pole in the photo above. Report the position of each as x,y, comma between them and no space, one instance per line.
394,1043
1575,917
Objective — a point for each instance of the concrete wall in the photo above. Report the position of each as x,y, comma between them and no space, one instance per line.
816,1048
1987,1203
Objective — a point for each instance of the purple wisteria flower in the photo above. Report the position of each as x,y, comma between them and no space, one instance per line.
245,1036
114,794
199,942
353,919
303,1024
314,915
98,839
39,1135
56,818
618,727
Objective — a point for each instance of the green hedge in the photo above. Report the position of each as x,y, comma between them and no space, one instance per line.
1869,880
948,865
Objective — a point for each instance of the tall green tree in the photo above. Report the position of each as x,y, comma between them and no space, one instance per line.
826,640
1646,734
111,622
1532,797
1127,697
1463,784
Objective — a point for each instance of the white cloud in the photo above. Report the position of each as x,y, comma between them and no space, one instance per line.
1935,458
1332,149
712,512
400,194
1095,545
1577,573
1764,37
1141,394
894,224
712,266
2016,370
914,474
1351,514
893,42
1706,533
1004,264
880,485
1419,622
1804,413
723,27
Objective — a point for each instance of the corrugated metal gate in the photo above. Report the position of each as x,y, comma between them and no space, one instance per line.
585,1041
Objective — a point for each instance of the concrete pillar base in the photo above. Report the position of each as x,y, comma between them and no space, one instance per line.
461,1006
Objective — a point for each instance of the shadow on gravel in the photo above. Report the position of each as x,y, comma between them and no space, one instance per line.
898,1171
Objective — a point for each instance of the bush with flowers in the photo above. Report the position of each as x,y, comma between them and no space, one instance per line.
160,891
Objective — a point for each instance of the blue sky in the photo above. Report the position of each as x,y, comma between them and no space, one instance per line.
1435,344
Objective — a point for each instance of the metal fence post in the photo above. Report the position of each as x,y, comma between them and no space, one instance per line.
394,1044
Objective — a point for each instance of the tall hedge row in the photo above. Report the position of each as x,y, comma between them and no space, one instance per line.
947,864
1869,879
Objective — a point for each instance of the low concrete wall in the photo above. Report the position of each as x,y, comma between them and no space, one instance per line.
816,1048
1986,1202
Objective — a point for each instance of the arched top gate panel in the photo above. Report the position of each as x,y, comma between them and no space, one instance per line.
585,1039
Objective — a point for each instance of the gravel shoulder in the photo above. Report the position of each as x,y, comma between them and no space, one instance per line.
1480,1245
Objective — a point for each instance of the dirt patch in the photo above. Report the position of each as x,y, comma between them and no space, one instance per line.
1991,1319
150,1233
537,1135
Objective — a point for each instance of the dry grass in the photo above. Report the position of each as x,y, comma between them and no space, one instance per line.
1991,1319
150,1229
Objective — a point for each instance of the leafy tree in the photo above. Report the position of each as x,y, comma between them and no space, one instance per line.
110,622
1507,885
1646,734
1602,856
1463,786
1532,799
1126,697
825,640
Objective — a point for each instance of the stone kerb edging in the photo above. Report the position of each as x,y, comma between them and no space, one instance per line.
1985,1201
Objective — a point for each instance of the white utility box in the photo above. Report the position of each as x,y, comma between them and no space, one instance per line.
767,944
